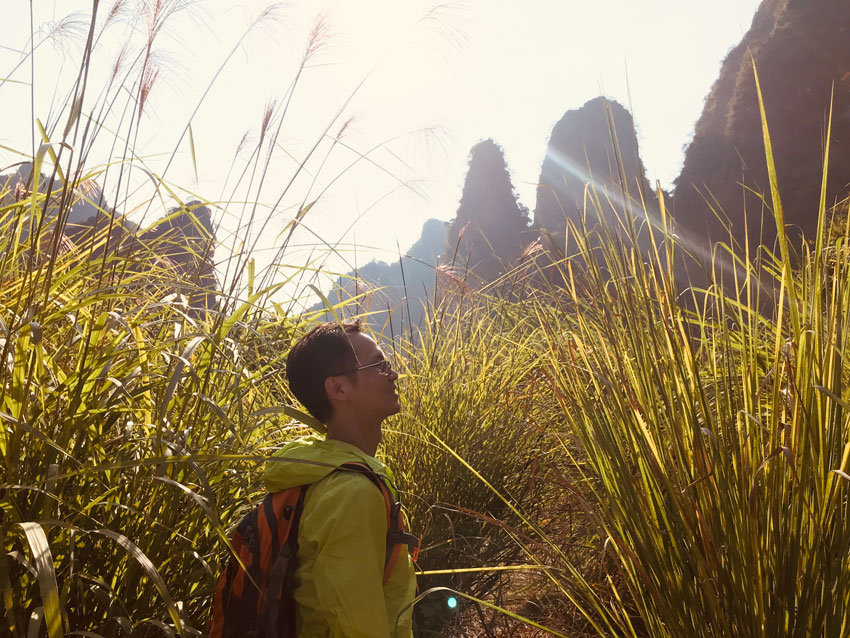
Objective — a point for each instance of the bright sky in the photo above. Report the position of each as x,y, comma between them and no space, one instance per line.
471,70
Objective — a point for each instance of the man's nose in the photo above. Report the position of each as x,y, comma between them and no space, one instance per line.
393,374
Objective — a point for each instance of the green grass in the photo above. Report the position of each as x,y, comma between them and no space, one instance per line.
705,444
134,427
593,456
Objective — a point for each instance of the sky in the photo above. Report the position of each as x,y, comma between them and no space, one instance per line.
418,84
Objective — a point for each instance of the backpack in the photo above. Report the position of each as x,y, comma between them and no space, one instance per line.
256,601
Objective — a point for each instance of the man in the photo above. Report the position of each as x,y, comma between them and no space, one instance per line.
343,379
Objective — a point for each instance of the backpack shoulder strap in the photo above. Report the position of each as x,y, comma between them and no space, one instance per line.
370,474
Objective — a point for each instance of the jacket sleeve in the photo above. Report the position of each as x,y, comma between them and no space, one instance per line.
345,526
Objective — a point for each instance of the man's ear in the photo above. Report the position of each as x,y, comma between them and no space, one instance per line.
336,388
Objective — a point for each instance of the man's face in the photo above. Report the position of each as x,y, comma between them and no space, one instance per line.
375,395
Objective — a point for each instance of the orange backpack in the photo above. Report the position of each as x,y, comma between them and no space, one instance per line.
253,596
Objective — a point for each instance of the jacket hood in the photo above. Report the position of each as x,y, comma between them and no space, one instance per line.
310,459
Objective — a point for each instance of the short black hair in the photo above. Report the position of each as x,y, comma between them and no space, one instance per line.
323,352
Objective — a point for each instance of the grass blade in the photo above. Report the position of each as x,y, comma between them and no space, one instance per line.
43,560
150,570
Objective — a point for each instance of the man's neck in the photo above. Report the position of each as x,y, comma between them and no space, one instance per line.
362,436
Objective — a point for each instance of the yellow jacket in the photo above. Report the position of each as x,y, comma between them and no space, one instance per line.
342,545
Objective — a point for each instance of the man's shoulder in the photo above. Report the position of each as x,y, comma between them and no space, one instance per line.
344,496
353,481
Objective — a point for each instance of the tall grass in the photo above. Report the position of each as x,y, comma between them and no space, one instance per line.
705,444
716,438
134,423
132,428
469,445
593,456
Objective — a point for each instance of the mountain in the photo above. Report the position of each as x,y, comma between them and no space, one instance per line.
403,286
185,236
85,205
182,240
491,228
595,144
801,50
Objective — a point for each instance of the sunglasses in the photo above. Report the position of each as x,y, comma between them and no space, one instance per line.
384,367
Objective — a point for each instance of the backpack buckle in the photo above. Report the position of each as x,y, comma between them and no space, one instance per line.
397,537
414,550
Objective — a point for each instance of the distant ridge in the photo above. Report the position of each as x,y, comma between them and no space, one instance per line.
801,49
183,240
394,292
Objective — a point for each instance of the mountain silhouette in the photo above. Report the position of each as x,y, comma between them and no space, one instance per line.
801,51
592,151
393,293
491,228
182,241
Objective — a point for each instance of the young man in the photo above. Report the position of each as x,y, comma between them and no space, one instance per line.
341,376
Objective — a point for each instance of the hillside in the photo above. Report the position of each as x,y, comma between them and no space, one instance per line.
403,286
801,50
182,240
592,166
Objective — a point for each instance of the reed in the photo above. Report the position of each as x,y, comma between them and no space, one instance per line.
716,436
594,456
139,393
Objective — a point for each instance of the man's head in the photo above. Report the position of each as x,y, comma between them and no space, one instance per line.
331,369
